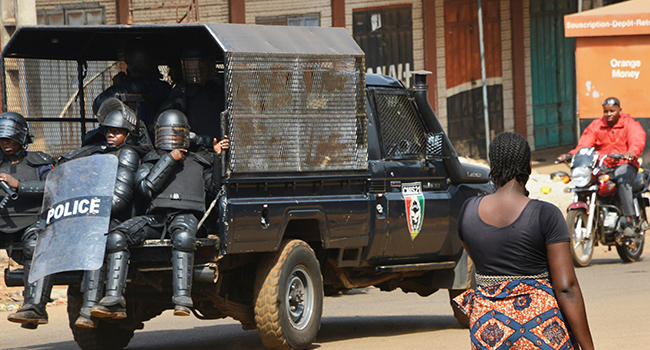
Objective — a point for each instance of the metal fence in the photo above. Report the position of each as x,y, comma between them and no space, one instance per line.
294,113
45,92
401,132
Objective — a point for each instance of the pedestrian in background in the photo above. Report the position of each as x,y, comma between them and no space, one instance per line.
527,293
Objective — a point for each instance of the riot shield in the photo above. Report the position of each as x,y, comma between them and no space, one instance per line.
76,214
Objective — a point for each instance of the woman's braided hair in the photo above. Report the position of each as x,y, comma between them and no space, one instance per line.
509,159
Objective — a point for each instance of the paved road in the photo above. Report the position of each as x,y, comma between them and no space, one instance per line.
616,296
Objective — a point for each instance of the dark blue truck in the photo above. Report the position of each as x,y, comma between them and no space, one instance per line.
335,179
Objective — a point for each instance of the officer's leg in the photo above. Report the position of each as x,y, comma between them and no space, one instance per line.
113,305
93,286
36,294
624,175
183,233
130,232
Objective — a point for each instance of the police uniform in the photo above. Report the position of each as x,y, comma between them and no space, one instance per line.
176,193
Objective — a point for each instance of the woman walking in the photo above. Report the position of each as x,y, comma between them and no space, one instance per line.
527,294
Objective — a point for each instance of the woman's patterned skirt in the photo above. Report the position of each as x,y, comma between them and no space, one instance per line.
515,314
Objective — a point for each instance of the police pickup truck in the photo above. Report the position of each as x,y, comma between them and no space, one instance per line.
335,179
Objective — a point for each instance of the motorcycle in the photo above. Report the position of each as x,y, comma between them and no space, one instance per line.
594,217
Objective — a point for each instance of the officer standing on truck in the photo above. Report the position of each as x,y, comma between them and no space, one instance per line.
175,182
142,78
23,175
200,96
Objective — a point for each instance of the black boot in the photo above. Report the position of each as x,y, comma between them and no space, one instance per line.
33,312
93,287
182,265
113,305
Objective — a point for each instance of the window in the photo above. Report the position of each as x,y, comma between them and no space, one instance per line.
73,15
307,20
402,134
386,36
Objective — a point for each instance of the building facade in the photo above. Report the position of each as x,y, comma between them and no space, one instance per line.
529,64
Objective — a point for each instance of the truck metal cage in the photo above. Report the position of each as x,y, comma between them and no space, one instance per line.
294,95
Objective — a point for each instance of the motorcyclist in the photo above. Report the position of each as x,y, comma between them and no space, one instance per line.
24,172
616,132
175,181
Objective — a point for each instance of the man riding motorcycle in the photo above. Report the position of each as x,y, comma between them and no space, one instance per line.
616,132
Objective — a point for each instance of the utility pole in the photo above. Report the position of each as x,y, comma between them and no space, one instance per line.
486,115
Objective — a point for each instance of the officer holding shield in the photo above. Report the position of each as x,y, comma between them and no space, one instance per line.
118,124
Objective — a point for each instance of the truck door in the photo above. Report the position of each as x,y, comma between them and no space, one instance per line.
416,193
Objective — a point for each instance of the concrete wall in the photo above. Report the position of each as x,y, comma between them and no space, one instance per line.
161,12
109,6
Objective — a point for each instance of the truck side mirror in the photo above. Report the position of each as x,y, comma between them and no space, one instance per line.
434,145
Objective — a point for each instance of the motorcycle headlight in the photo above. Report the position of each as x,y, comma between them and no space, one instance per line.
580,176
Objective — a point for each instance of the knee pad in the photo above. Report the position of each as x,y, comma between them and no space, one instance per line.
116,242
184,222
184,241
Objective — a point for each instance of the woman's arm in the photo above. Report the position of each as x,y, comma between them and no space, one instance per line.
567,292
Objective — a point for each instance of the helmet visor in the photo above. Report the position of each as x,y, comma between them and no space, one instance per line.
172,137
10,129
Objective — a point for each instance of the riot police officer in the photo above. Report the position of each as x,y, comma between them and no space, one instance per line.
142,78
24,173
200,96
175,181
118,123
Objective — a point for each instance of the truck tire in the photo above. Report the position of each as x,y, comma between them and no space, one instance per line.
289,297
107,336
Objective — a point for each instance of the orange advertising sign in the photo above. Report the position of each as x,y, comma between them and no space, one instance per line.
607,25
613,66
626,18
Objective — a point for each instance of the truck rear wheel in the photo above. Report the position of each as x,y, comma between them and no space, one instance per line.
289,297
107,336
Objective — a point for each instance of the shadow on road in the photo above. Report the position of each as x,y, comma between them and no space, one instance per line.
341,328
232,337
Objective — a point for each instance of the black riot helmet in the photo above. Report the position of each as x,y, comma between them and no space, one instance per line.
116,114
198,66
13,126
140,58
172,130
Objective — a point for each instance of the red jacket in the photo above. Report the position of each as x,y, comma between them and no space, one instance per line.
626,136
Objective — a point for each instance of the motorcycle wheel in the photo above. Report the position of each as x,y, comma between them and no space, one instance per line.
631,251
582,243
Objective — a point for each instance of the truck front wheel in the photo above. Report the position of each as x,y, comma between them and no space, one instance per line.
289,297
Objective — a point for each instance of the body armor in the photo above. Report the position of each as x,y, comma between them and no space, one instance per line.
158,175
30,172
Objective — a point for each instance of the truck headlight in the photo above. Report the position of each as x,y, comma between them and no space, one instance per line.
580,176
